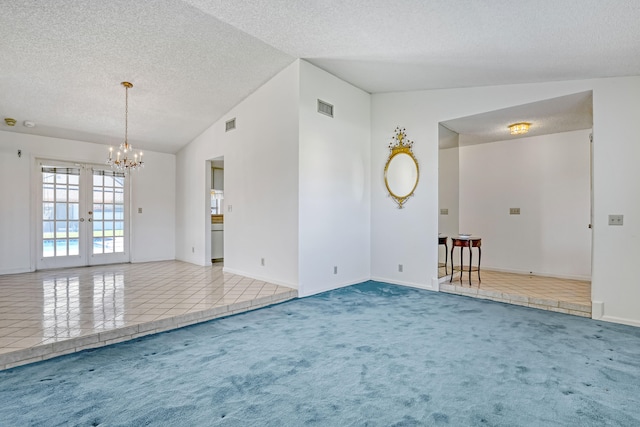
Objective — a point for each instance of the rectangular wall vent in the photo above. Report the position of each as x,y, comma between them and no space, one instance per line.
230,125
325,108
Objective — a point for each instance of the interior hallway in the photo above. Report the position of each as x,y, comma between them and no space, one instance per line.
545,293
50,313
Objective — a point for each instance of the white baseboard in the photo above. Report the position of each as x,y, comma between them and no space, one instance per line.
621,320
302,293
256,277
536,273
16,270
409,284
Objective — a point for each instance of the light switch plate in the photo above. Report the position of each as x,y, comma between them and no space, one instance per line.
616,219
444,211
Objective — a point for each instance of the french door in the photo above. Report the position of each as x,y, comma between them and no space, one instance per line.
83,215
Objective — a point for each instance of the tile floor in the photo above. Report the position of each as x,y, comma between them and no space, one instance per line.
49,313
545,293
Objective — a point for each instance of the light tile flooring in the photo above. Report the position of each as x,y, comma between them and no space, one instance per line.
545,293
50,313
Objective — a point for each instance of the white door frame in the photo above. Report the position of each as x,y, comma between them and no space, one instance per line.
85,255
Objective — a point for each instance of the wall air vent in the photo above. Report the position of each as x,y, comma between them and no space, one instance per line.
230,125
325,108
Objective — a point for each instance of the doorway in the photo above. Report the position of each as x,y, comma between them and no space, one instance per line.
82,215
217,209
527,196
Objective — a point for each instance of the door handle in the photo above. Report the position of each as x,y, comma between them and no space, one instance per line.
81,219
90,212
89,220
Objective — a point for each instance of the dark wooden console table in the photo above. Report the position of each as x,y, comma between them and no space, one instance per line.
466,242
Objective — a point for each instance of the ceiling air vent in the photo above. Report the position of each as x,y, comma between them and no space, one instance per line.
230,125
325,108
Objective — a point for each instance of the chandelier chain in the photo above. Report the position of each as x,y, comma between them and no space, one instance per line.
124,161
126,115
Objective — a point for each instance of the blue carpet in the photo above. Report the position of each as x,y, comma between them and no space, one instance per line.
368,355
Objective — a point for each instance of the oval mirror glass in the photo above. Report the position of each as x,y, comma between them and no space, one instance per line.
402,175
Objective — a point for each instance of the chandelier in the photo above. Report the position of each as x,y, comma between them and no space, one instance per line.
123,160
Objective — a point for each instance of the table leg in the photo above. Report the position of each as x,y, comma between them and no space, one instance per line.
470,262
479,258
446,258
451,278
461,263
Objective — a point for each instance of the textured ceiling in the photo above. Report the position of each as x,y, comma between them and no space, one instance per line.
562,114
61,62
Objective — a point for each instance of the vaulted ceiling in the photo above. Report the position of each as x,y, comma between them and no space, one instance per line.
191,61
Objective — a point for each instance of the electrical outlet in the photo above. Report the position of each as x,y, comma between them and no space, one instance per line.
335,269
514,211
400,268
193,249
616,219
262,262
229,208
444,211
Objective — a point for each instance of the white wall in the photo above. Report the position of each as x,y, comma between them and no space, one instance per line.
261,185
547,177
153,233
335,205
448,198
153,236
407,235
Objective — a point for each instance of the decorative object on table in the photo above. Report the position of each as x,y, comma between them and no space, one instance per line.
401,172
123,161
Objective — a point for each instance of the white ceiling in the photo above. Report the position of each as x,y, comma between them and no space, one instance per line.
549,116
191,61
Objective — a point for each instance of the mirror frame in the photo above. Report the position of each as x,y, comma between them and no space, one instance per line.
401,145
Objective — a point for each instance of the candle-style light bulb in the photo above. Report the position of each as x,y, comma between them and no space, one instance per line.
118,157
110,152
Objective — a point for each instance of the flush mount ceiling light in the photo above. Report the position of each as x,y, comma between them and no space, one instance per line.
519,128
125,163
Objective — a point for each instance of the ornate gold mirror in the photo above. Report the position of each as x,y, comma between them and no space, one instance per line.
401,173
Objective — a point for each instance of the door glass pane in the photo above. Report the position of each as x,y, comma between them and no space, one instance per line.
74,247
61,229
97,195
47,248
74,193
61,211
97,245
61,247
74,211
47,211
47,193
56,211
48,228
108,204
108,228
118,245
61,193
